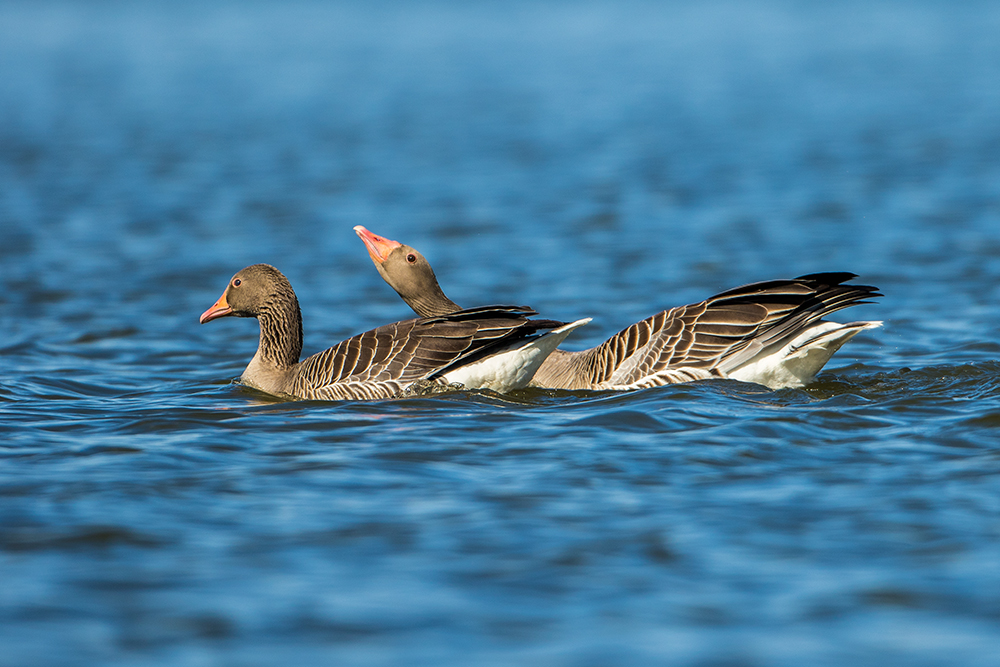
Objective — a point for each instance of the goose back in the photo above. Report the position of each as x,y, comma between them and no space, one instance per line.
730,332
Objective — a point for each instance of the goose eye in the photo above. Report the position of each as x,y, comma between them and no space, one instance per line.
236,283
411,258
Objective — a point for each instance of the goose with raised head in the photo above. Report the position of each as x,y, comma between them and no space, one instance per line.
496,348
771,333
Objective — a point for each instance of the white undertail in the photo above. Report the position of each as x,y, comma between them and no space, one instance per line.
797,363
514,367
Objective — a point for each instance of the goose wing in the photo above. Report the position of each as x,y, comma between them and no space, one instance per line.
382,362
702,340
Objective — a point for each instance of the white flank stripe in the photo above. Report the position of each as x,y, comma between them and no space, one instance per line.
514,367
798,362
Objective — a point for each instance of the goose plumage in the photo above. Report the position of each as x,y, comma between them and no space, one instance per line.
495,347
771,333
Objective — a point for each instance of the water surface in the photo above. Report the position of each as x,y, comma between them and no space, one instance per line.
604,160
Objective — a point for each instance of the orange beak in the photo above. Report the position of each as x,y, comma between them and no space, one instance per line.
220,309
378,247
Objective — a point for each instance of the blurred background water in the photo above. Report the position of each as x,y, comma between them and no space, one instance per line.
605,159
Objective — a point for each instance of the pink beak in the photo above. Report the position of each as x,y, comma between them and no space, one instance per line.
220,309
378,247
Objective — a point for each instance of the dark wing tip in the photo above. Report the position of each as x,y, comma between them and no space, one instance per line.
829,277
484,312
837,278
539,325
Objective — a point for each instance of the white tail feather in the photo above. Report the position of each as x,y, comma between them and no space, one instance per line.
514,367
797,363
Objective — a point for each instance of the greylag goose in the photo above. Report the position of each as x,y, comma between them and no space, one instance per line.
495,347
770,333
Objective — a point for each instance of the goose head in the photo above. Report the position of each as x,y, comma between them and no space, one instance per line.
408,272
251,292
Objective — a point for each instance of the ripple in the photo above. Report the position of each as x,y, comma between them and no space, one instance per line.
82,537
632,421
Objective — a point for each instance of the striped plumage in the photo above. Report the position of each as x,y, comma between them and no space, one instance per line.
718,337
392,359
770,332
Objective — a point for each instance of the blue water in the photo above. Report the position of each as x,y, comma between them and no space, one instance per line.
600,159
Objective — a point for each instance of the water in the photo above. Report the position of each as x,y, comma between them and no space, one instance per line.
603,159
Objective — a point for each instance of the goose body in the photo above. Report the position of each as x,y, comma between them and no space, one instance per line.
771,333
496,348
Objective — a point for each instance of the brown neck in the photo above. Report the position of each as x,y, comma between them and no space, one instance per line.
431,304
280,331
418,287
